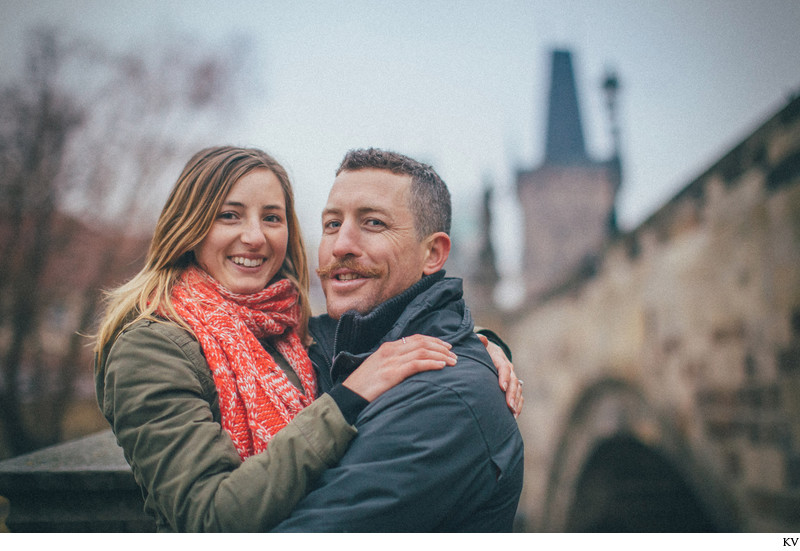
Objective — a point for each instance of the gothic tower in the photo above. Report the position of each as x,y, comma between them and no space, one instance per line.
568,201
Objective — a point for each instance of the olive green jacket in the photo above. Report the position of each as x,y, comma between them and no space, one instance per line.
157,392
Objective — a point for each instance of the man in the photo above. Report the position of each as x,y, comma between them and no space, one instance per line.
440,451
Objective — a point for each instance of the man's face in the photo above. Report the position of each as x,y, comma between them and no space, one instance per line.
369,250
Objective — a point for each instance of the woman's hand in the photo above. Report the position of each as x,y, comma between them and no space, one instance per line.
395,361
506,377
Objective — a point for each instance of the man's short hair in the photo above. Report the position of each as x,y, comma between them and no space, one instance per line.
429,199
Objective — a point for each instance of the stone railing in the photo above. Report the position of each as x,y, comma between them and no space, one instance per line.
83,485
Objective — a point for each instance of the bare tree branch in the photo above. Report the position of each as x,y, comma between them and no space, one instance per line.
86,140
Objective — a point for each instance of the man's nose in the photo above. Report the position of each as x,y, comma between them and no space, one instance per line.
347,240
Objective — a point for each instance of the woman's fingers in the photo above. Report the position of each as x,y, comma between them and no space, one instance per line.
394,361
506,377
422,342
516,400
514,393
420,348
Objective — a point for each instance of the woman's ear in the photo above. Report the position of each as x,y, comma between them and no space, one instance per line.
437,249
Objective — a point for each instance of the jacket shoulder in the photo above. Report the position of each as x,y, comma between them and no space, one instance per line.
166,329
475,395
163,333
157,349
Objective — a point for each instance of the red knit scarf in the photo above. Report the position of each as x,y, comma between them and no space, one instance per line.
256,398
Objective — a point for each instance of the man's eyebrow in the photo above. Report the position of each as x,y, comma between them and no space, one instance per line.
370,210
360,210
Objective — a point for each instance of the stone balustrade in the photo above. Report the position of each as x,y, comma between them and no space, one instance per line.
83,485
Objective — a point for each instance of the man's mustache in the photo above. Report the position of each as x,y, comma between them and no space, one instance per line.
348,263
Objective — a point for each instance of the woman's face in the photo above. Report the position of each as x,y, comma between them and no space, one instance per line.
247,242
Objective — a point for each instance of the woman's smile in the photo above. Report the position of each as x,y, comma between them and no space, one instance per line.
247,262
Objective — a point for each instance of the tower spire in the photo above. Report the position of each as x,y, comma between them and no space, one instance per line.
565,143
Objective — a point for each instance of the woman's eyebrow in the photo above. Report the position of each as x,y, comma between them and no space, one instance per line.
264,207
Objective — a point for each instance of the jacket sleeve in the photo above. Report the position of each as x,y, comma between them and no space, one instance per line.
419,453
185,462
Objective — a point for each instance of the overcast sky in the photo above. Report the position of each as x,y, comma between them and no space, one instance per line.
462,84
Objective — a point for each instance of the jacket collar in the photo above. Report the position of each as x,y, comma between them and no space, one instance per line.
358,334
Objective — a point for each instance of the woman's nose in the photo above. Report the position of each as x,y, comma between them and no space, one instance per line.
252,234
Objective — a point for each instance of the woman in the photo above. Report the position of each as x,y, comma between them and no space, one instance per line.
211,335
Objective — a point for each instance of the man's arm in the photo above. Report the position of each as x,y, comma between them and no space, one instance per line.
420,458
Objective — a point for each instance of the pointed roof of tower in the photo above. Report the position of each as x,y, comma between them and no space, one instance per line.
565,144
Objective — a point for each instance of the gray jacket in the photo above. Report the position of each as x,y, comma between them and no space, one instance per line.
440,452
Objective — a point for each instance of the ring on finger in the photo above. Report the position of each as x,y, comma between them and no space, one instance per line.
404,340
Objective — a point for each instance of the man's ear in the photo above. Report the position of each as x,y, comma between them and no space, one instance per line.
437,249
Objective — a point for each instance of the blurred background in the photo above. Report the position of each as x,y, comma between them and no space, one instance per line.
622,215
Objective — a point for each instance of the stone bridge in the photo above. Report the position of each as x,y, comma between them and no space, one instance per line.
662,380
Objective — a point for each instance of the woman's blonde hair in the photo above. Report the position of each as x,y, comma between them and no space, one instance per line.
184,222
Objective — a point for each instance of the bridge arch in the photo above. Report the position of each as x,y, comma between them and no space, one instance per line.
620,467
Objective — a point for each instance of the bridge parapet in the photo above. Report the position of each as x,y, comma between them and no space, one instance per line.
83,485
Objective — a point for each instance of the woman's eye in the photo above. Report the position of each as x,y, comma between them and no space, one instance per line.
274,218
331,225
228,215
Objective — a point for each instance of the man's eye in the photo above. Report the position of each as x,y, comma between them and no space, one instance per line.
375,222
